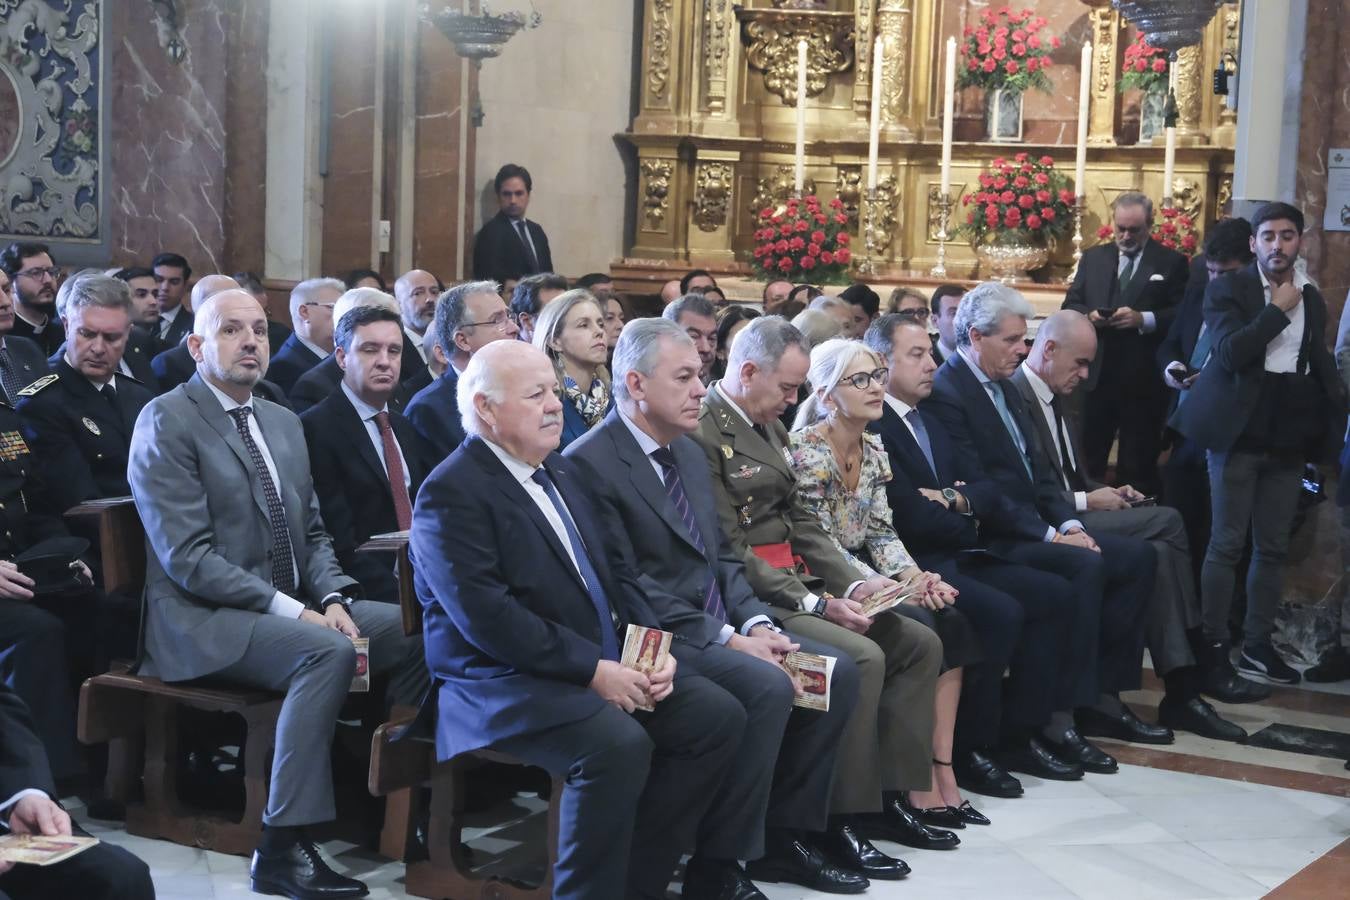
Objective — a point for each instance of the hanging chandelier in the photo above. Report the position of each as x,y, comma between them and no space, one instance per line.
479,35
1169,24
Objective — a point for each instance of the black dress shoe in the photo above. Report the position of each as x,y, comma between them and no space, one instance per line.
896,822
299,872
798,863
718,880
980,774
1197,716
1124,726
1033,757
936,816
1075,748
969,814
853,851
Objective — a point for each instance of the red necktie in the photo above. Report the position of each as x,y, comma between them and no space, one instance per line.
393,464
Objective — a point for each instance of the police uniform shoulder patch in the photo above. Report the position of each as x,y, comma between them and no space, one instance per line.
38,385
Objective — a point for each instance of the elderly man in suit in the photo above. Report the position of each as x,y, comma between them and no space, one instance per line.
1065,345
369,491
242,584
993,437
1267,401
312,303
792,564
526,600
1130,289
469,316
28,805
322,381
652,484
510,245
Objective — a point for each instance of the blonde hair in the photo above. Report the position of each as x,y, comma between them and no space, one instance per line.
548,328
829,362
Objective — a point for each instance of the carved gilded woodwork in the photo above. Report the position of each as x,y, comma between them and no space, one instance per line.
893,21
658,53
1223,195
862,73
934,217
883,213
712,194
774,191
1187,197
656,175
1105,30
716,50
1189,83
848,188
771,47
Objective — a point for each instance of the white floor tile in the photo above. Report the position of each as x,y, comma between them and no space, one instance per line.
1251,814
1271,862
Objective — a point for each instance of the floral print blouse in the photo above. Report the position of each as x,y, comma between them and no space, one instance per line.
859,522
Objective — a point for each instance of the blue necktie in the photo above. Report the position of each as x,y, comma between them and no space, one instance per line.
921,437
1004,413
712,600
609,642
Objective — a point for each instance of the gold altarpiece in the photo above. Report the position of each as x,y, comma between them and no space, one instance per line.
714,130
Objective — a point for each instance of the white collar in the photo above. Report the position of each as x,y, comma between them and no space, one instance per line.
519,470
979,373
414,336
226,401
900,407
363,409
645,441
318,351
1042,390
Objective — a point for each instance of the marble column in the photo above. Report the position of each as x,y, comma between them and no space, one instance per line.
1268,103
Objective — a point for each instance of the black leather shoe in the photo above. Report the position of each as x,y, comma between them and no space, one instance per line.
1227,686
980,774
1197,716
299,872
1075,748
897,823
718,880
798,863
853,851
1033,757
969,814
1125,726
936,816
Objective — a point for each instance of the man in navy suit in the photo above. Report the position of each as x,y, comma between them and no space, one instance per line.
525,602
994,437
469,316
509,245
1025,613
312,303
652,485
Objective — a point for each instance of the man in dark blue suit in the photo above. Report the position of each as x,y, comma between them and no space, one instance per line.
994,437
468,317
1025,613
652,485
525,602
312,303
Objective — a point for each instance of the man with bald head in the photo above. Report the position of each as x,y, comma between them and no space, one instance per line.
416,292
1059,361
244,581
173,365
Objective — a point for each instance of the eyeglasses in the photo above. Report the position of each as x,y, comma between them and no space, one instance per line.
861,380
498,322
37,272
920,313
324,305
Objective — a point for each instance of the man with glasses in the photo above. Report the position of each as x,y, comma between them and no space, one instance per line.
34,279
416,292
468,317
1130,290
312,304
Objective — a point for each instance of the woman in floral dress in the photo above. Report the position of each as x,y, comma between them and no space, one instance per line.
571,330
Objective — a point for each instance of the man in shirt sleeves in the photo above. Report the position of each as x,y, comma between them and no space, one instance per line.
242,584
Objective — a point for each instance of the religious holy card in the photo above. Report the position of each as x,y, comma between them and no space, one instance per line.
812,674
646,650
361,680
42,850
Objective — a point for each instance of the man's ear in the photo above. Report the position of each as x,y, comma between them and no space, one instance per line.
194,345
340,355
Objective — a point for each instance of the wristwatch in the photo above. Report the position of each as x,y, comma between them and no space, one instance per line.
822,602
950,495
335,598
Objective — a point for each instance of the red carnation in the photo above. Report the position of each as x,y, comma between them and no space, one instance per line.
1044,196
813,249
766,212
785,228
989,65
1019,50
1104,232
781,246
1042,178
796,244
785,264
1000,183
841,218
843,255
817,237
1021,181
1160,65
826,258
1019,35
1012,67
820,219
999,53
1007,197
1054,42
1048,162
1033,64
1033,221
991,210
842,238
836,203
1140,65
1034,42
1048,214
808,263
1020,157
801,226
1066,195
984,49
1026,201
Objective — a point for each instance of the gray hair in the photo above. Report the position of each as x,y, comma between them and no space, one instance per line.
67,291
452,309
824,302
1134,198
829,362
880,334
763,342
638,347
983,308
307,290
478,378
364,296
695,304
816,326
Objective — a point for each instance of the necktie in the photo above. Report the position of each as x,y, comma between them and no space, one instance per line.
393,464
283,562
921,438
609,642
1071,474
109,394
1127,273
1004,413
1203,344
529,245
762,432
712,600
9,377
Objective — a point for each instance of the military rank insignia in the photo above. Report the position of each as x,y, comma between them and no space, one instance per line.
727,451
744,513
12,446
39,385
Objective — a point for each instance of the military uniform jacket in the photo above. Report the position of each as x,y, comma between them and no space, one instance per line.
26,514
80,437
757,504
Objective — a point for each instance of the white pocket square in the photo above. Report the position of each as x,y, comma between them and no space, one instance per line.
1156,277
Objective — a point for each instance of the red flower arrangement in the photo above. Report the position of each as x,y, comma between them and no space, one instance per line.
1025,196
803,242
1006,51
1144,67
1174,230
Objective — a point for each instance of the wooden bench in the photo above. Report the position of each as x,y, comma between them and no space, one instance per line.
399,768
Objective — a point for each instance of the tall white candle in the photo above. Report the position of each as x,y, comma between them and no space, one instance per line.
1084,94
799,178
874,126
1170,150
948,108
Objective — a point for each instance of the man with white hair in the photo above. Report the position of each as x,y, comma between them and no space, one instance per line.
245,584
526,602
322,381
416,292
312,303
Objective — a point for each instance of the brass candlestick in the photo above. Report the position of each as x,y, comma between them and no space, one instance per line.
866,267
1079,207
944,202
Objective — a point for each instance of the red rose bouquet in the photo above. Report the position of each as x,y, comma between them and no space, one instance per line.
1006,51
1144,67
803,242
1025,196
1174,230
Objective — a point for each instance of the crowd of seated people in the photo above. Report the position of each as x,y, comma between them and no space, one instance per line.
751,481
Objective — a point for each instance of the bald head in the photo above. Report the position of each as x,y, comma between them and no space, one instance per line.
670,291
229,342
207,286
1065,346
416,292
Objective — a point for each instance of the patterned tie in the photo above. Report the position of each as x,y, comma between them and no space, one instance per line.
609,642
393,464
529,247
921,438
283,562
9,377
712,600
1005,413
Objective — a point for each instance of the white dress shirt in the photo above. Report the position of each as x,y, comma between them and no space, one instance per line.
522,472
902,409
1132,263
367,414
1046,397
166,319
418,341
315,348
523,225
7,807
1282,351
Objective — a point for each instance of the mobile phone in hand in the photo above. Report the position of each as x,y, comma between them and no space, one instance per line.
1144,501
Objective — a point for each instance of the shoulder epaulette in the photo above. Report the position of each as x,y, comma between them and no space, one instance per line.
38,385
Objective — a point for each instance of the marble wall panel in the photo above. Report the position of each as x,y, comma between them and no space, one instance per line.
246,137
348,186
439,186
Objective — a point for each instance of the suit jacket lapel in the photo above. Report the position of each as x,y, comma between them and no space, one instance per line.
1033,409
1143,270
982,405
351,424
892,427
643,476
209,408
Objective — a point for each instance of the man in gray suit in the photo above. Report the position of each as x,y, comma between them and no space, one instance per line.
241,580
1060,359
